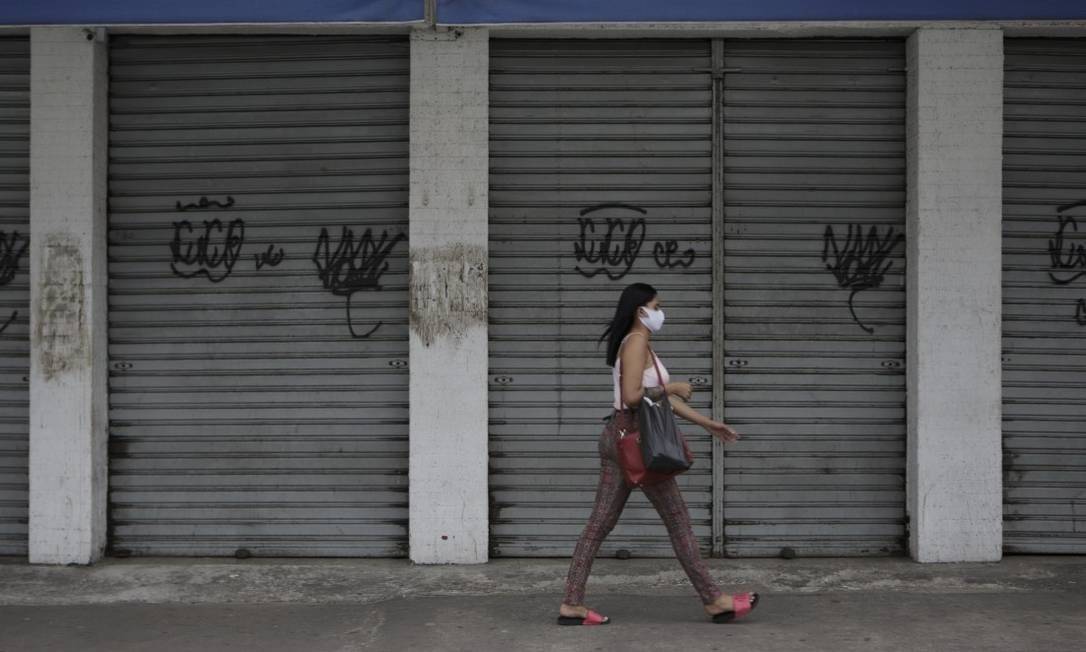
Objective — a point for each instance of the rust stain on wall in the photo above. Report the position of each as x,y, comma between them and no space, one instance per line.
61,331
448,290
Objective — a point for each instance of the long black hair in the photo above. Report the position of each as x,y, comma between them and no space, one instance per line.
634,296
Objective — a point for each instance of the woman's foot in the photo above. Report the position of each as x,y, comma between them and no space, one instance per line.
720,605
729,607
569,611
579,615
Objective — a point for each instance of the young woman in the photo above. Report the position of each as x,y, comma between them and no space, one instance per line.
628,348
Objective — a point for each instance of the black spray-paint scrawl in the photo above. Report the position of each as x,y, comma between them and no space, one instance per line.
1068,255
11,250
859,263
353,266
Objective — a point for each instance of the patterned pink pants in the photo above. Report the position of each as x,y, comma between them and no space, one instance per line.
611,495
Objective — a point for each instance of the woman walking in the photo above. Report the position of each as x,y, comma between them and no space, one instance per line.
628,348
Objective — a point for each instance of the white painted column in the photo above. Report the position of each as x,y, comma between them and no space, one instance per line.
448,256
955,127
68,399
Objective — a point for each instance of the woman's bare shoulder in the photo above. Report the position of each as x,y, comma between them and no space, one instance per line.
635,349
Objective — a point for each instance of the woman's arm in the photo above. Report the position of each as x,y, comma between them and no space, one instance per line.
635,353
715,428
680,407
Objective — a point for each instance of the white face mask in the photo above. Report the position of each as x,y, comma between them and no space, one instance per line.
655,320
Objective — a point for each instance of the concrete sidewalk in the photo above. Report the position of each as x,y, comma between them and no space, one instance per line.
1021,603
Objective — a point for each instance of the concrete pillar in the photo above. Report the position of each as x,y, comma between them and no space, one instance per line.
448,258
68,399
954,208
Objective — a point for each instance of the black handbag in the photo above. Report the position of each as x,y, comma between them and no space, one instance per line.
662,445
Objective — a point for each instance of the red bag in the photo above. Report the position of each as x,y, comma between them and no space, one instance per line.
628,446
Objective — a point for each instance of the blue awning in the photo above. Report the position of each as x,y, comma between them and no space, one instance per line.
117,12
461,12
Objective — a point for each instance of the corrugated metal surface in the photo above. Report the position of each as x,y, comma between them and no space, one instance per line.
1044,296
14,291
253,405
600,160
814,209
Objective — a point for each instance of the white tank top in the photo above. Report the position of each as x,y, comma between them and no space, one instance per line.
648,378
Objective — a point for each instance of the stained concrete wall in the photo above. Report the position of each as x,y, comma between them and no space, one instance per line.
68,402
954,216
448,256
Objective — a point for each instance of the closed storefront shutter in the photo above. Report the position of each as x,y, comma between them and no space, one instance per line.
258,295
14,291
1044,296
814,296
601,176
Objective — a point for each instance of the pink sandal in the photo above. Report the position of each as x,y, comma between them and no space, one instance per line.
592,618
742,604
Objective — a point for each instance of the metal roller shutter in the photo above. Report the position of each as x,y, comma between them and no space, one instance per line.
814,296
258,295
14,291
1044,296
600,160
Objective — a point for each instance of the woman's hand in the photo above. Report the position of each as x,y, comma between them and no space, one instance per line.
680,389
722,430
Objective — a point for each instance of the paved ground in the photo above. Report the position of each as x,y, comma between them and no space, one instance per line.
1021,603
